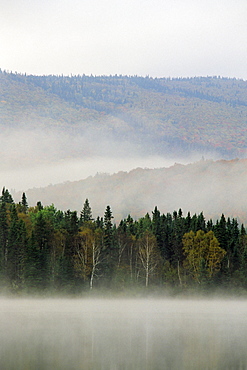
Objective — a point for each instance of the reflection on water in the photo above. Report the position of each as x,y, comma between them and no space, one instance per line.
123,334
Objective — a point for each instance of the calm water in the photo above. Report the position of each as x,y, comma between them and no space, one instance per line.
123,334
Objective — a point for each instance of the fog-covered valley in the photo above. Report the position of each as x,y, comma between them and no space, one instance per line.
127,143
37,157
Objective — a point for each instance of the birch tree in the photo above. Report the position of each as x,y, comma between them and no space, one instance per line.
88,255
149,255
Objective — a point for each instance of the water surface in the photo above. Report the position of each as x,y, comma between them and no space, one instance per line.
123,334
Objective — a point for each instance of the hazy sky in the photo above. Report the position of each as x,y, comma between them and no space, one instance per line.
143,37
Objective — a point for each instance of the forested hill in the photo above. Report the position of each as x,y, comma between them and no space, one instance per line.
170,115
213,187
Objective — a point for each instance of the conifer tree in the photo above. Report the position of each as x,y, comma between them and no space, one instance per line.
6,196
12,261
41,234
108,227
24,203
3,238
32,274
86,213
110,252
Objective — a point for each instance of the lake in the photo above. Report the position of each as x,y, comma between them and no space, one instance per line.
117,334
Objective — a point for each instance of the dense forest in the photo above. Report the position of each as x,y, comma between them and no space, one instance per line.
44,249
168,114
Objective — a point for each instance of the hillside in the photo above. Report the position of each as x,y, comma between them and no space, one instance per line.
160,116
213,187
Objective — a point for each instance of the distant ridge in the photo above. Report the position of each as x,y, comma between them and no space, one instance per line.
213,187
161,115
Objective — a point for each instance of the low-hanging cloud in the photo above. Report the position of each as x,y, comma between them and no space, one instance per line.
35,157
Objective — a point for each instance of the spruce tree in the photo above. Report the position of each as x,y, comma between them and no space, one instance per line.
109,252
24,203
6,196
108,227
86,213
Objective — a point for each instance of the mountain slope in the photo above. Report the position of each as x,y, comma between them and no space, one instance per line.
161,116
213,187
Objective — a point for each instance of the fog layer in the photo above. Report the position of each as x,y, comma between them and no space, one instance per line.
128,334
34,157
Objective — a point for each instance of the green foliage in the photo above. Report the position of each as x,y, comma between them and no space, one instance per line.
6,197
86,213
44,248
24,203
108,227
203,254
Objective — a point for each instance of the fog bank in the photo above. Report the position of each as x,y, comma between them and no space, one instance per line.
129,334
37,157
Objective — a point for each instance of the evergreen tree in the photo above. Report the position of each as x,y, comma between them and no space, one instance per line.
24,203
178,230
188,222
166,236
156,223
66,265
22,250
130,225
33,277
86,213
108,227
41,234
6,196
243,257
3,238
39,206
110,249
221,233
13,250
233,243
144,224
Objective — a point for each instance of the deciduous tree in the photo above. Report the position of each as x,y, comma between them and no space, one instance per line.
149,255
203,253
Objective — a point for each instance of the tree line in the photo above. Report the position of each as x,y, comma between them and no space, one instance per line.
45,249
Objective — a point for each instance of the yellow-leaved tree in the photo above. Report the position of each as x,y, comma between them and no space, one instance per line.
89,247
203,253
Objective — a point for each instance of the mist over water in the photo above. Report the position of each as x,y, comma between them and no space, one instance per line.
123,334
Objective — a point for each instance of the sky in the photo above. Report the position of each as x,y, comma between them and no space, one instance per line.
159,38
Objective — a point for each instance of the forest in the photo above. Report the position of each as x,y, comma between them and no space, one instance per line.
168,114
43,249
